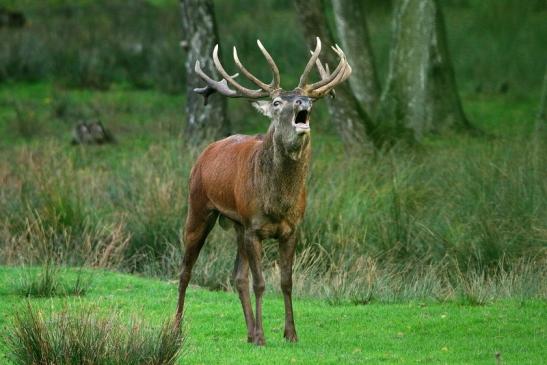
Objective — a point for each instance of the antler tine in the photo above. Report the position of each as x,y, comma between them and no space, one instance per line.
334,74
247,74
326,85
253,94
324,72
347,73
348,68
311,62
332,92
326,88
212,85
276,80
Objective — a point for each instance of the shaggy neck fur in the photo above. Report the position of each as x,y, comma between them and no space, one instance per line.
282,175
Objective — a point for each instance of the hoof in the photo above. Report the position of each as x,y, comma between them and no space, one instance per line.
290,336
259,341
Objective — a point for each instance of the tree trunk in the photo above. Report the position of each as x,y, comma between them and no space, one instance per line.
351,24
348,116
541,120
203,122
420,96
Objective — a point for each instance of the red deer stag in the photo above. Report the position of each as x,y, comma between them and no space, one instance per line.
257,183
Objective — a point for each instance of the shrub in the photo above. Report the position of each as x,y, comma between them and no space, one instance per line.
89,338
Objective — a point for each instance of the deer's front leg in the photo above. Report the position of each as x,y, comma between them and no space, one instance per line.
241,280
253,246
286,258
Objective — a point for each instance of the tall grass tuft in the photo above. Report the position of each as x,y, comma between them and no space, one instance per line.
48,281
42,284
89,338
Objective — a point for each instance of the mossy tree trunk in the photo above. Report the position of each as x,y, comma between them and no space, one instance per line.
203,122
351,24
349,117
420,95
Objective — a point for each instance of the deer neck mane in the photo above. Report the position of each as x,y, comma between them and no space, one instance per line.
282,174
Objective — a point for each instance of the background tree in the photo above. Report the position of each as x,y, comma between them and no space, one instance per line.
420,94
349,117
351,24
203,122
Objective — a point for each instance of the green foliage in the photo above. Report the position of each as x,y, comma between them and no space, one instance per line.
85,337
484,39
96,44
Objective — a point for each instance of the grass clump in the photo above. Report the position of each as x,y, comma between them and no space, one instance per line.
48,282
85,337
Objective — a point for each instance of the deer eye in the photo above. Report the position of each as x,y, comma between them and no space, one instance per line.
276,103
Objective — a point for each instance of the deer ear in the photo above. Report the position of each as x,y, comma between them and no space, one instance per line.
263,107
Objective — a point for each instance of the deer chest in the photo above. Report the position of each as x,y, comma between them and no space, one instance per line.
278,223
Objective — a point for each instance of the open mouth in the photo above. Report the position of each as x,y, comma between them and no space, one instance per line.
301,121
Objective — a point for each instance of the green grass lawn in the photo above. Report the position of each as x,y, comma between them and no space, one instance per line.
375,333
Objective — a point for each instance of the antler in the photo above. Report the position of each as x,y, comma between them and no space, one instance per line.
276,81
240,91
316,90
324,72
328,80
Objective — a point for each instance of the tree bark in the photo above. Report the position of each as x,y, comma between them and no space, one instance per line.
420,96
349,117
351,24
203,122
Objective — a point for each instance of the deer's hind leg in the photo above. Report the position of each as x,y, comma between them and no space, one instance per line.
198,225
241,281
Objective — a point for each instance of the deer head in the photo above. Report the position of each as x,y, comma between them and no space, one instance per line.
288,110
